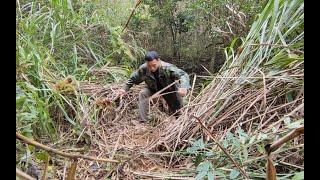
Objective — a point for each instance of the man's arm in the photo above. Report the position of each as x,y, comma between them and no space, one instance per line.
135,78
177,73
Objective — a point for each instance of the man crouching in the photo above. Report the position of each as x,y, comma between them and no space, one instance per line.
158,74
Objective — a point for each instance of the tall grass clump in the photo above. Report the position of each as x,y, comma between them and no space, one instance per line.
58,44
257,96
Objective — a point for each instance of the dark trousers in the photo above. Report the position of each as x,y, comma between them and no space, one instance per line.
173,100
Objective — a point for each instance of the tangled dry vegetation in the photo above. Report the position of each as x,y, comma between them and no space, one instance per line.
113,135
256,98
260,105
146,150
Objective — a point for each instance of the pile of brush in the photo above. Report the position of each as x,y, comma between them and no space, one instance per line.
112,132
259,91
258,95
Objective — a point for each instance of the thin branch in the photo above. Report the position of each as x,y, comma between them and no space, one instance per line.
288,164
222,148
22,175
67,155
131,15
274,146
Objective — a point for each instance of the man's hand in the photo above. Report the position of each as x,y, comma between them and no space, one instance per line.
121,92
183,91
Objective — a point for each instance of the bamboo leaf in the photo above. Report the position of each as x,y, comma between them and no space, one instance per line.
208,154
236,142
53,35
198,160
245,153
298,176
234,173
205,166
199,143
210,175
219,173
20,101
252,139
42,156
200,175
295,124
260,149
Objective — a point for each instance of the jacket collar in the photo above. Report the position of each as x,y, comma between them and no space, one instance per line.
160,68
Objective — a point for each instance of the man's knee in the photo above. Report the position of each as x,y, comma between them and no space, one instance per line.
144,93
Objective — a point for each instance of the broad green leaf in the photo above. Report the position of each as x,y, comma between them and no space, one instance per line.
42,156
260,149
20,101
289,96
245,153
192,149
242,139
240,157
241,133
225,143
236,142
292,55
199,143
27,129
259,136
219,173
201,175
229,136
287,120
234,173
198,160
108,166
205,166
252,139
31,87
27,134
295,124
31,148
210,175
209,154
264,136
298,176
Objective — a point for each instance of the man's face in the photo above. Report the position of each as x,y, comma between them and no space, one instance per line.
153,65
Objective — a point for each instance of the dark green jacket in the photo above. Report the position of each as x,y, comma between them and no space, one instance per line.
168,73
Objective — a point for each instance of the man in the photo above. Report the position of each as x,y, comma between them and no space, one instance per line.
157,75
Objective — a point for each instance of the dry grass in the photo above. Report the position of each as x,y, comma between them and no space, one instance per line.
113,135
257,90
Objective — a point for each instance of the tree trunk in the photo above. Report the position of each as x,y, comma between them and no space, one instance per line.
174,42
213,56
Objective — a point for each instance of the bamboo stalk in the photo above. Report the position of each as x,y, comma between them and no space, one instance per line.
44,177
274,146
